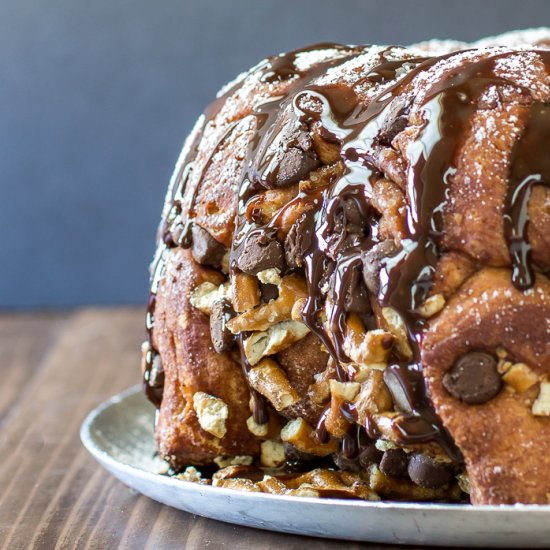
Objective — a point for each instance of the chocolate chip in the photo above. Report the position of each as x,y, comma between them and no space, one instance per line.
173,228
369,454
298,239
372,262
295,165
292,454
350,290
355,220
345,225
427,472
394,462
168,239
269,292
369,321
298,461
394,124
473,378
222,339
261,251
173,236
357,298
205,249
394,127
294,157
334,234
387,135
347,464
153,378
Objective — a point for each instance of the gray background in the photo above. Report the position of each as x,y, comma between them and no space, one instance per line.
96,99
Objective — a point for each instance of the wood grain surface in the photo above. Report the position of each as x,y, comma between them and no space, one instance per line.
54,368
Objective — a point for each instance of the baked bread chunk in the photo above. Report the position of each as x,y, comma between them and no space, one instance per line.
350,294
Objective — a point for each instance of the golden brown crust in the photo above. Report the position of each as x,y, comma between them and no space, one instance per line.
182,337
302,362
216,200
474,212
505,446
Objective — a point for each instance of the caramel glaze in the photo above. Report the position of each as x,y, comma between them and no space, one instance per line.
336,259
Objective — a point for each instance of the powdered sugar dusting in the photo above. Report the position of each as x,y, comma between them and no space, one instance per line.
516,39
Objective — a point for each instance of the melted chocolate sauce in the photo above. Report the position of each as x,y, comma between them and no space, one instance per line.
530,166
347,269
259,170
407,276
274,69
269,124
422,425
321,431
349,446
449,107
366,433
407,279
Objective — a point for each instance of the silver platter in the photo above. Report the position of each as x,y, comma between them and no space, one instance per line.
119,435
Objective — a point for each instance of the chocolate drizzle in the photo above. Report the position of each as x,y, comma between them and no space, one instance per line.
530,166
419,424
176,232
407,276
259,170
341,223
449,107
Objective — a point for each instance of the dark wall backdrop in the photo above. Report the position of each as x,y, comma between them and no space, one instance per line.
97,96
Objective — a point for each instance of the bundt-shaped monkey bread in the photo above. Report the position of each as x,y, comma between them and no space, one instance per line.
350,295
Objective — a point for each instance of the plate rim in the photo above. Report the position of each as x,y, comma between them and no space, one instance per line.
102,456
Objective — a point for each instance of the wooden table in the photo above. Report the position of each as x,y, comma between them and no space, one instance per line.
55,367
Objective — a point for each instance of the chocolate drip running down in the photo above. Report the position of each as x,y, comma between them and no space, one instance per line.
408,275
332,248
530,167
259,171
174,231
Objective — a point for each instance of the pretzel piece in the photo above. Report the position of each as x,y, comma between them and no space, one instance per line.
245,290
292,288
271,381
300,434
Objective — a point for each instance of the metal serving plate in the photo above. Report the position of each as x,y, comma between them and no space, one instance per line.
119,434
